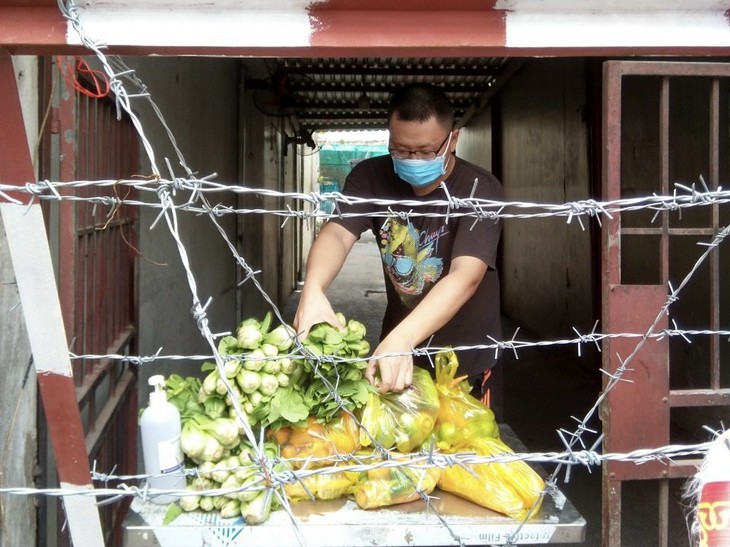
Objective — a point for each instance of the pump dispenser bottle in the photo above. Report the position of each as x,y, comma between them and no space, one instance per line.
163,457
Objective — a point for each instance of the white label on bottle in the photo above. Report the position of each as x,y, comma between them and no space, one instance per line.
170,455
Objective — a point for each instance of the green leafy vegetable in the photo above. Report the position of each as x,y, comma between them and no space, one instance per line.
173,511
266,375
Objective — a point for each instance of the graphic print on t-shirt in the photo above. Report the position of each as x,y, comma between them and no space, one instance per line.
408,257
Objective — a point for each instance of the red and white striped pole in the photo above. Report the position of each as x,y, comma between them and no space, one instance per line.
36,283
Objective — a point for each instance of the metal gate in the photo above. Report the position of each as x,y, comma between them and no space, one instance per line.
663,123
97,272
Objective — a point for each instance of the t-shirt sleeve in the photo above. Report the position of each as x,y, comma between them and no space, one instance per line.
480,238
353,216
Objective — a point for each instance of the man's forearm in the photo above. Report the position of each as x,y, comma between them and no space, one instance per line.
441,304
326,257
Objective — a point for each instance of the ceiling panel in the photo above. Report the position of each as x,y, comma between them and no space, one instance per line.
347,93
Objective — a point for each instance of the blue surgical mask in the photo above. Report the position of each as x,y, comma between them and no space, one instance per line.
420,173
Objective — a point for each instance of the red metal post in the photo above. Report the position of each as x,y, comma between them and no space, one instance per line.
638,414
31,257
65,115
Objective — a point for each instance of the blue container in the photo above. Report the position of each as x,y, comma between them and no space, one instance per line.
328,186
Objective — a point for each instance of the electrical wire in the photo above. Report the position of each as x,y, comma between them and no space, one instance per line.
80,76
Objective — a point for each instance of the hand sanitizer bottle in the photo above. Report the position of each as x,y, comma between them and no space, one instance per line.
163,457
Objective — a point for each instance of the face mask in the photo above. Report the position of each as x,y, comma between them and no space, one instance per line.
420,173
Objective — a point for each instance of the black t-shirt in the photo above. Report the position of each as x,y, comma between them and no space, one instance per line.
417,250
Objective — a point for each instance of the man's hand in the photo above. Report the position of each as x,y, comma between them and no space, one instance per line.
326,257
396,371
441,304
314,308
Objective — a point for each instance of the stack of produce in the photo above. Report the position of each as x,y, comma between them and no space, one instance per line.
273,389
242,483
317,410
225,462
461,416
512,488
340,372
207,434
383,486
322,486
315,443
464,424
402,420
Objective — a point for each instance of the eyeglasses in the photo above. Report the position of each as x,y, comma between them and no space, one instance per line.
404,153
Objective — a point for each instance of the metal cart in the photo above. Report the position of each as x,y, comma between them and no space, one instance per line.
450,521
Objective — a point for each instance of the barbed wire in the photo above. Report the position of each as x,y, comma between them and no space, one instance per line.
570,439
189,194
511,344
311,203
569,458
168,211
363,463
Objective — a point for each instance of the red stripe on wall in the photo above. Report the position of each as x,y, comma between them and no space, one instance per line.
16,166
370,30
402,5
38,26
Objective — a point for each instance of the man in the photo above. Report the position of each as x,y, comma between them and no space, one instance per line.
440,272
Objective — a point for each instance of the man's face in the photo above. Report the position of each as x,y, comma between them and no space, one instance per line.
418,140
423,141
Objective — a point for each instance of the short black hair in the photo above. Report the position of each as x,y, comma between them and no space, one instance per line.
420,102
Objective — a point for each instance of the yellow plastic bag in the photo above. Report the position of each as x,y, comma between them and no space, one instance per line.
322,486
402,420
511,488
318,442
384,486
462,418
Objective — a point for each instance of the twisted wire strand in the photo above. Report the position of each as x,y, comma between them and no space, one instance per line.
512,344
310,203
360,463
